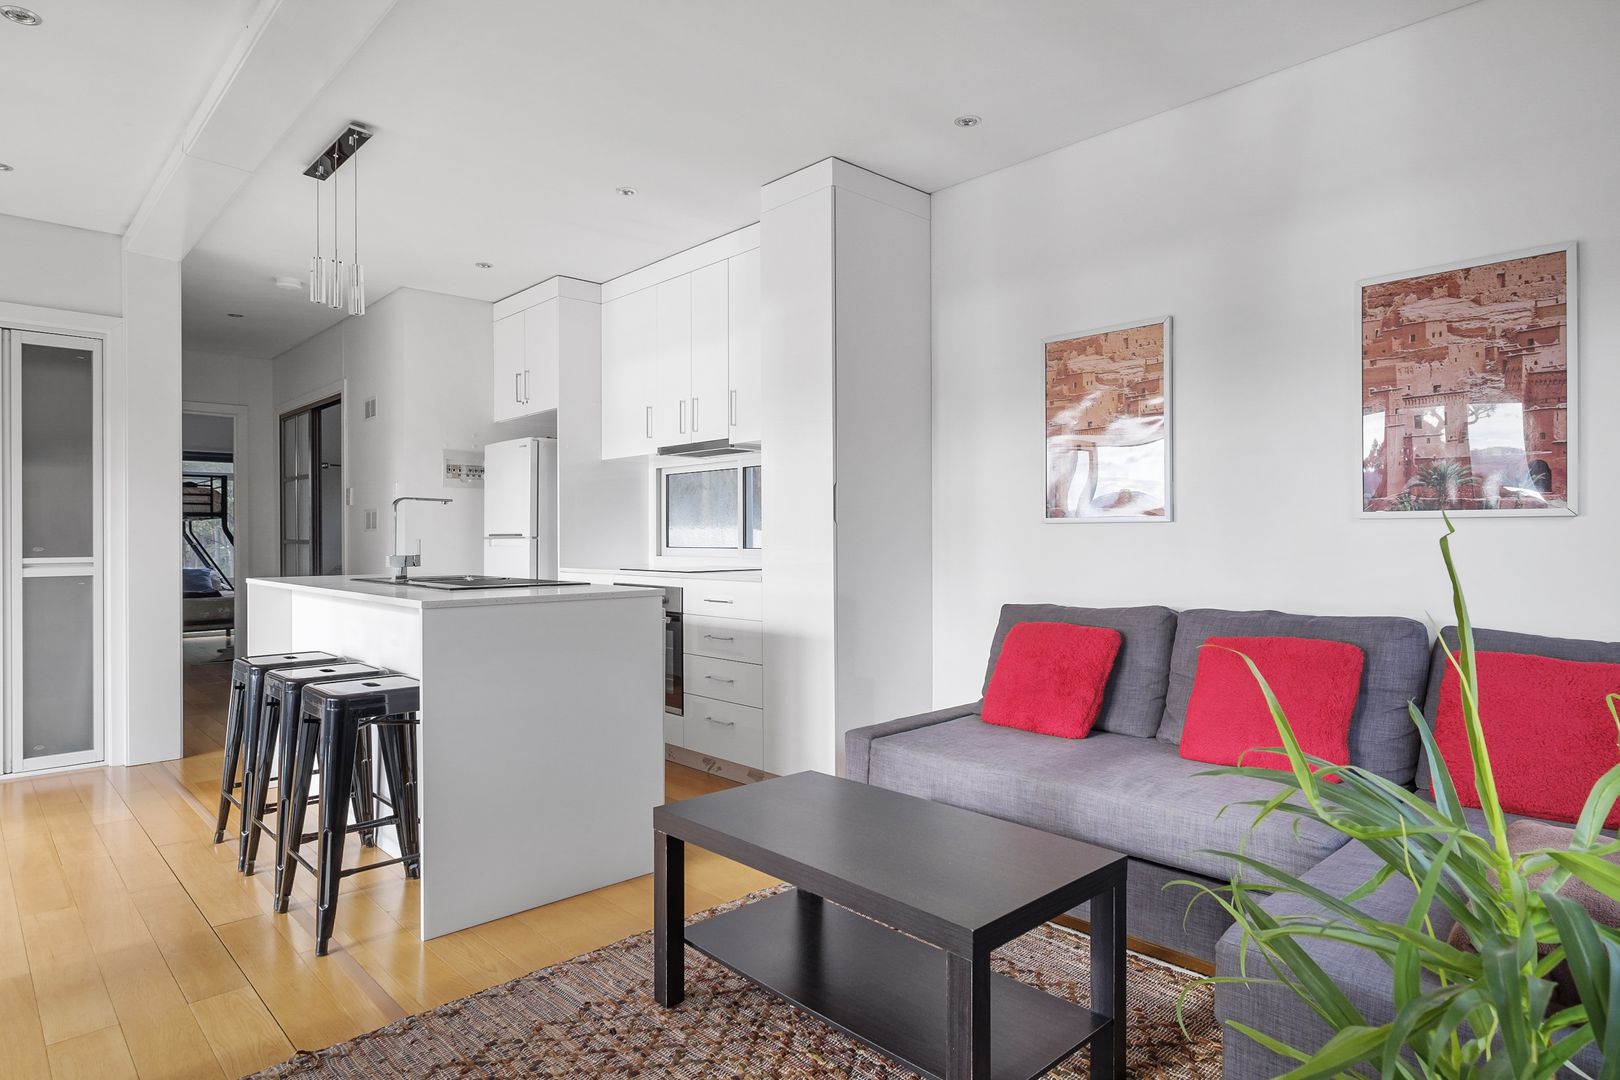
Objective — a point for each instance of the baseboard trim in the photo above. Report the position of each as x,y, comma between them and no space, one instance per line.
1146,948
726,770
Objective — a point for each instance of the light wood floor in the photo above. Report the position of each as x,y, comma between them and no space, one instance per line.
130,946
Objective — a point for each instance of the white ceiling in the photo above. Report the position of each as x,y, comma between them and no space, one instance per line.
503,126
97,96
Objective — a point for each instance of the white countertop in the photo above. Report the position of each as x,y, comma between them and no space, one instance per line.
672,576
416,596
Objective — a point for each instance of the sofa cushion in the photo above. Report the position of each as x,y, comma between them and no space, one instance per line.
1049,678
1382,736
1579,650
1132,795
1547,725
1315,683
1134,699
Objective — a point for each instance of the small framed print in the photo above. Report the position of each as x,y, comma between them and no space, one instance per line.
1468,389
1108,424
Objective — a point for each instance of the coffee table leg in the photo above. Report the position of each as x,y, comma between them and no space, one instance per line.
669,919
968,1017
1108,980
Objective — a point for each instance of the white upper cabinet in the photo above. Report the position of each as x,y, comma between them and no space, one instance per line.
680,350
508,381
743,362
672,422
710,408
528,357
629,363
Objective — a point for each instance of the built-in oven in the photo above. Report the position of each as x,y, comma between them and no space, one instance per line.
674,647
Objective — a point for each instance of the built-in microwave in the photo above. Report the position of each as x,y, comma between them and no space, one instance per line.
674,647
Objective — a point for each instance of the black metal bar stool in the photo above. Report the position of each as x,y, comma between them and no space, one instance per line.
283,689
334,716
241,720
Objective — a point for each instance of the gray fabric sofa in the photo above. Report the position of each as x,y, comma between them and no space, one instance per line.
1126,787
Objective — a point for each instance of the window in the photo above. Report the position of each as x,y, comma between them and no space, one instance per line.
710,509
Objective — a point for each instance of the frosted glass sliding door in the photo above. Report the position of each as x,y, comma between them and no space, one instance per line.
53,550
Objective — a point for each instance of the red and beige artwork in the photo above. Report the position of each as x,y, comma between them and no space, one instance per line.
1107,437
1465,389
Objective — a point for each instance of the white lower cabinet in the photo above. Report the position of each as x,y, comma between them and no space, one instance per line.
674,729
727,680
725,639
725,729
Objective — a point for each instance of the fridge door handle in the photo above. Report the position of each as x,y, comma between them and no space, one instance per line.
503,536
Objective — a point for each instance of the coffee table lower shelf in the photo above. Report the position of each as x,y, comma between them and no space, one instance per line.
883,988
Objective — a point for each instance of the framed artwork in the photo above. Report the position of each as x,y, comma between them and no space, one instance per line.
1108,424
1468,390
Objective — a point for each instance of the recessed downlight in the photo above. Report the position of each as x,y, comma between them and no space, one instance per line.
234,315
6,168
968,120
485,266
20,15
625,190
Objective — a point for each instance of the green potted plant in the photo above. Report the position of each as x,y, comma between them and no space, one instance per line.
1489,1011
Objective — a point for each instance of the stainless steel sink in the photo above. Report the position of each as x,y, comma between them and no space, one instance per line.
469,581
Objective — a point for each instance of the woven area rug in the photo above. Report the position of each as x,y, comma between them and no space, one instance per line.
594,1016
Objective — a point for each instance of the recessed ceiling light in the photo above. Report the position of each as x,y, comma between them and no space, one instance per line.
20,15
625,190
968,120
291,284
6,168
485,266
234,315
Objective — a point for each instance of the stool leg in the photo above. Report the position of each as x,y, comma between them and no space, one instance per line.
337,753
233,749
399,759
258,797
296,778
365,805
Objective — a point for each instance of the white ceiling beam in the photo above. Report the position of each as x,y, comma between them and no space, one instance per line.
288,53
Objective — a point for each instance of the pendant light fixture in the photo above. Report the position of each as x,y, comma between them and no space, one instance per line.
332,282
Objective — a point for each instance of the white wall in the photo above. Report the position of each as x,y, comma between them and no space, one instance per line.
425,358
1250,216
56,266
249,383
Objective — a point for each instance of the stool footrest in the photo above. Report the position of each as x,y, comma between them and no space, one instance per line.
353,870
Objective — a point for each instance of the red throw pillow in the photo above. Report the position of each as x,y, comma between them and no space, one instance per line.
1316,683
1547,726
1049,678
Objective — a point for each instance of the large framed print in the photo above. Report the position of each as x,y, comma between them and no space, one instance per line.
1108,424
1468,388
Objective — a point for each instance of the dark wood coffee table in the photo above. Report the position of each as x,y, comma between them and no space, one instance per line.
958,883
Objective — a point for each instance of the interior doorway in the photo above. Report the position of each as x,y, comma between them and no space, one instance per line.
312,489
212,538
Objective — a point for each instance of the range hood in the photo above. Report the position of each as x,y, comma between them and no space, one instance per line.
710,448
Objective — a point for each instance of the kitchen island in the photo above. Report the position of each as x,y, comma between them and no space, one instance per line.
540,746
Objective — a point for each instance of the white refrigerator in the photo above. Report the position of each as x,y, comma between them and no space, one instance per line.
520,508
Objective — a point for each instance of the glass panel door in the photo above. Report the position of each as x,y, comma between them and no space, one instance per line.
312,490
53,550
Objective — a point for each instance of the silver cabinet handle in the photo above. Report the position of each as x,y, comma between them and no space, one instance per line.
716,678
694,416
517,393
649,421
717,637
525,386
721,723
683,416
717,600
734,408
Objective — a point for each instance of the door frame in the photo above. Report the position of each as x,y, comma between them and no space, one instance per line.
18,568
243,523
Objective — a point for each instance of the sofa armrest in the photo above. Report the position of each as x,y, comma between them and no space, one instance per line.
858,741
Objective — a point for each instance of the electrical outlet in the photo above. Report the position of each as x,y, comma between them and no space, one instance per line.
464,468
371,408
371,521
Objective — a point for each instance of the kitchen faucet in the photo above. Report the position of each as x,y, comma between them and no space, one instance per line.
399,562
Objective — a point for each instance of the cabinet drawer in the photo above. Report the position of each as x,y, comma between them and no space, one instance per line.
727,639
725,730
727,680
725,599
